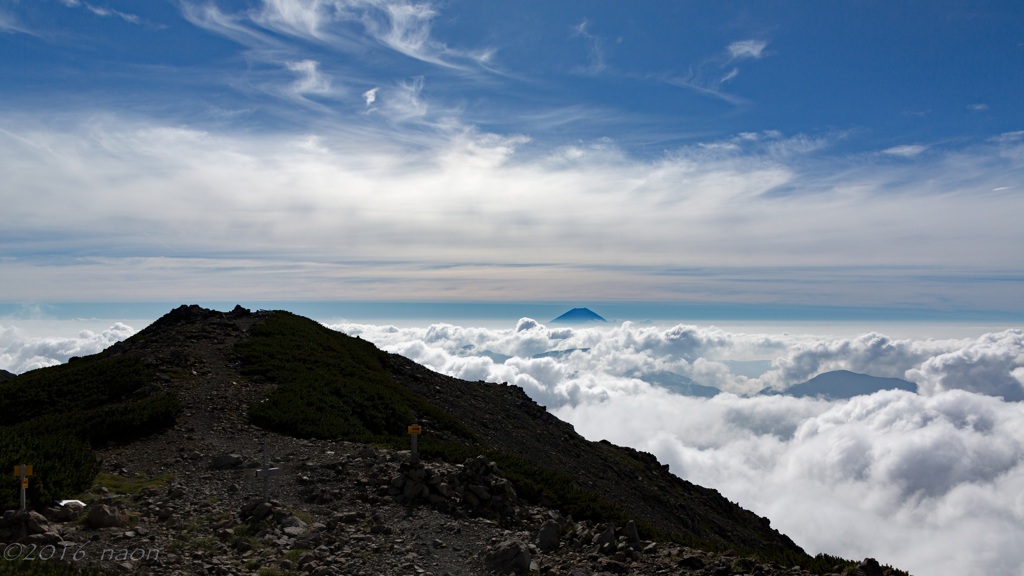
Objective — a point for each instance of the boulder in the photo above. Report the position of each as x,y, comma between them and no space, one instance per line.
869,567
509,556
547,537
632,536
227,461
103,516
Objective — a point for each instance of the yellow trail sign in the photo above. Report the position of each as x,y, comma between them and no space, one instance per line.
415,429
24,483
17,469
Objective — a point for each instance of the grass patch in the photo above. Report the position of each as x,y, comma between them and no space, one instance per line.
131,486
294,554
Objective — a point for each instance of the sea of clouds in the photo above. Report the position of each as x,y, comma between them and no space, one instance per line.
931,482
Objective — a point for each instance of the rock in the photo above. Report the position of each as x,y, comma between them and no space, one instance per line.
606,537
869,567
261,510
509,556
630,531
691,561
103,516
613,566
37,524
744,565
547,537
227,461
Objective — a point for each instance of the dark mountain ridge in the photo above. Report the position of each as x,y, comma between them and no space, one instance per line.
219,379
842,384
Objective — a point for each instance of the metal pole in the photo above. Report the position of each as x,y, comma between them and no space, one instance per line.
22,487
266,477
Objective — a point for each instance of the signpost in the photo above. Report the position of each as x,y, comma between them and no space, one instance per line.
23,470
415,431
266,472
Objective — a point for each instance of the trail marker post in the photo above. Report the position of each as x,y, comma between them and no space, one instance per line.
266,472
23,470
415,431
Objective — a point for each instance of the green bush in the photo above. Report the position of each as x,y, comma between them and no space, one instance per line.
330,385
81,385
62,465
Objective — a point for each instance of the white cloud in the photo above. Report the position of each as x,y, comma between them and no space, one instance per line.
907,151
700,222
747,49
991,365
709,75
21,353
370,96
107,12
311,80
595,49
927,484
9,24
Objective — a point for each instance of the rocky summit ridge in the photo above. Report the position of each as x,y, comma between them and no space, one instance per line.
531,495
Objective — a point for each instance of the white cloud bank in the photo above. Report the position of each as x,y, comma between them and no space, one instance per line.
21,353
930,483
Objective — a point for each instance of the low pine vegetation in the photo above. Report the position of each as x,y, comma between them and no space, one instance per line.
54,416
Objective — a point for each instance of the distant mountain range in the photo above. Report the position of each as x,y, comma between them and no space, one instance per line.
578,316
842,384
678,383
5,375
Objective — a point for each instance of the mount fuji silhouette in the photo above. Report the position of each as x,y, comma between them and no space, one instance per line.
578,316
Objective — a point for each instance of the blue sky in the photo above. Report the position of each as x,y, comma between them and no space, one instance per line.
851,154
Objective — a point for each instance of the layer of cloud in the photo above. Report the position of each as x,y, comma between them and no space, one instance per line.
451,196
556,362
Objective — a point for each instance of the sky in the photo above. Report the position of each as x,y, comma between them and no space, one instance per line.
753,193
848,154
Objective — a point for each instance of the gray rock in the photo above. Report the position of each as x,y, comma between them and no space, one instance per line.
547,537
37,524
606,537
630,531
227,461
509,556
103,516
